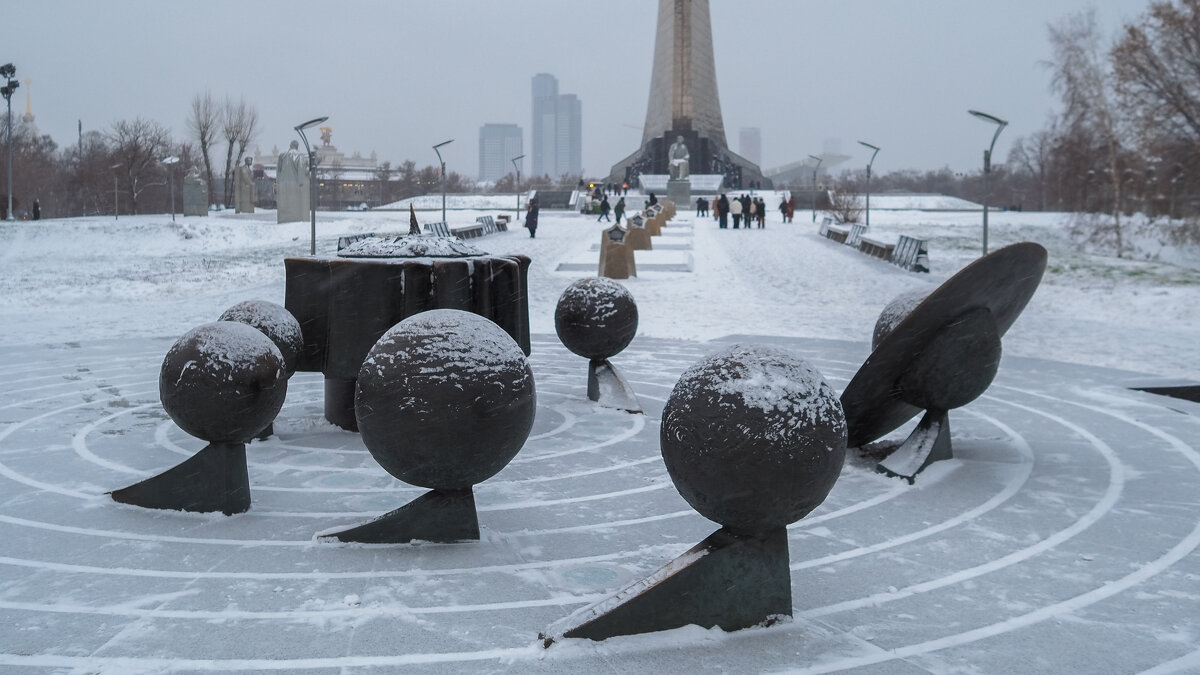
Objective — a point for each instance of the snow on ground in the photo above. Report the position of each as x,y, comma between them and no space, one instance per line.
1061,538
99,278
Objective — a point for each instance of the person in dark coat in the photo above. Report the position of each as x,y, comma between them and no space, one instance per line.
531,215
37,210
619,209
723,212
653,199
604,209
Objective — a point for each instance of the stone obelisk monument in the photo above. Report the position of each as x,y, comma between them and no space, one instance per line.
684,103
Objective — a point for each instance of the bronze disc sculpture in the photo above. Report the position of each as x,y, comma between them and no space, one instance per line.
754,439
596,318
222,382
445,399
276,323
940,354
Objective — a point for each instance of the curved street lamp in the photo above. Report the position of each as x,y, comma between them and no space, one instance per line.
443,175
518,186
814,193
170,162
872,161
312,179
987,168
116,211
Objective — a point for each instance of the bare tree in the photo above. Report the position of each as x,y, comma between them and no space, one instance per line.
239,126
204,123
1031,156
1086,84
1157,64
137,147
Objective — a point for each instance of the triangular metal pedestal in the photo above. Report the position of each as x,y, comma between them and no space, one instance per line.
214,479
728,580
437,515
609,389
928,443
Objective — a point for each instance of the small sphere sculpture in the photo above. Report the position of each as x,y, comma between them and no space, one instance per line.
596,318
273,321
753,438
900,307
445,399
223,382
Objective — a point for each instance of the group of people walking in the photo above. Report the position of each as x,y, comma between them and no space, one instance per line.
744,209
618,210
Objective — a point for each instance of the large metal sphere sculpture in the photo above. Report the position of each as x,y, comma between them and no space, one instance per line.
275,322
444,400
596,318
754,439
221,382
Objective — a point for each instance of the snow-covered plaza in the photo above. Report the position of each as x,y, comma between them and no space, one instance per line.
1062,537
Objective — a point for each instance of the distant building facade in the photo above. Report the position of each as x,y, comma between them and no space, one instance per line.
556,144
498,145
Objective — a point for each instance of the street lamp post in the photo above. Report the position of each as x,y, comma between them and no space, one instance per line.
312,179
8,72
814,192
170,162
518,187
116,209
443,174
987,168
872,161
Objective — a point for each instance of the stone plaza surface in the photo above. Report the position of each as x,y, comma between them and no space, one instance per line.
1061,538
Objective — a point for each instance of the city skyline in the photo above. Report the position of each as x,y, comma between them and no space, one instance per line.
897,75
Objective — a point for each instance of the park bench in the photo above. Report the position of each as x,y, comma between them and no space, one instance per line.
857,230
876,248
911,253
488,223
438,229
837,233
468,231
502,222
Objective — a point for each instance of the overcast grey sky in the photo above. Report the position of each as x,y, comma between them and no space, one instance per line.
397,77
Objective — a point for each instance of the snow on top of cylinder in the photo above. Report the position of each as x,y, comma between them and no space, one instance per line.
771,379
409,246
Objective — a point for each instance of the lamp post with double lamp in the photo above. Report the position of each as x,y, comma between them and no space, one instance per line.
442,174
517,167
814,191
116,210
987,168
8,72
872,161
170,162
312,179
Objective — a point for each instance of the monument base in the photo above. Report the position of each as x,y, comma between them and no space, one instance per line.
680,192
214,479
928,443
438,515
729,580
609,389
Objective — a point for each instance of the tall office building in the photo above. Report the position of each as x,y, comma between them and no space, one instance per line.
498,144
750,144
557,137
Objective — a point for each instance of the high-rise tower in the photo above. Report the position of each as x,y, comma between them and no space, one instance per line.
684,101
556,145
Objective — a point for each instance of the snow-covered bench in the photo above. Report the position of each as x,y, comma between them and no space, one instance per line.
438,229
876,248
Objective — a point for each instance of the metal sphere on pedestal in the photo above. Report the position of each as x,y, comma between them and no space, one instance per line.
223,382
900,307
753,438
275,322
596,318
445,399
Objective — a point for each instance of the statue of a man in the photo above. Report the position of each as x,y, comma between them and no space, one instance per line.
679,157
245,193
291,185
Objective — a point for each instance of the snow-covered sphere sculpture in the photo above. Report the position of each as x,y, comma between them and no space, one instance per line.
596,318
223,382
445,399
275,322
753,438
900,307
